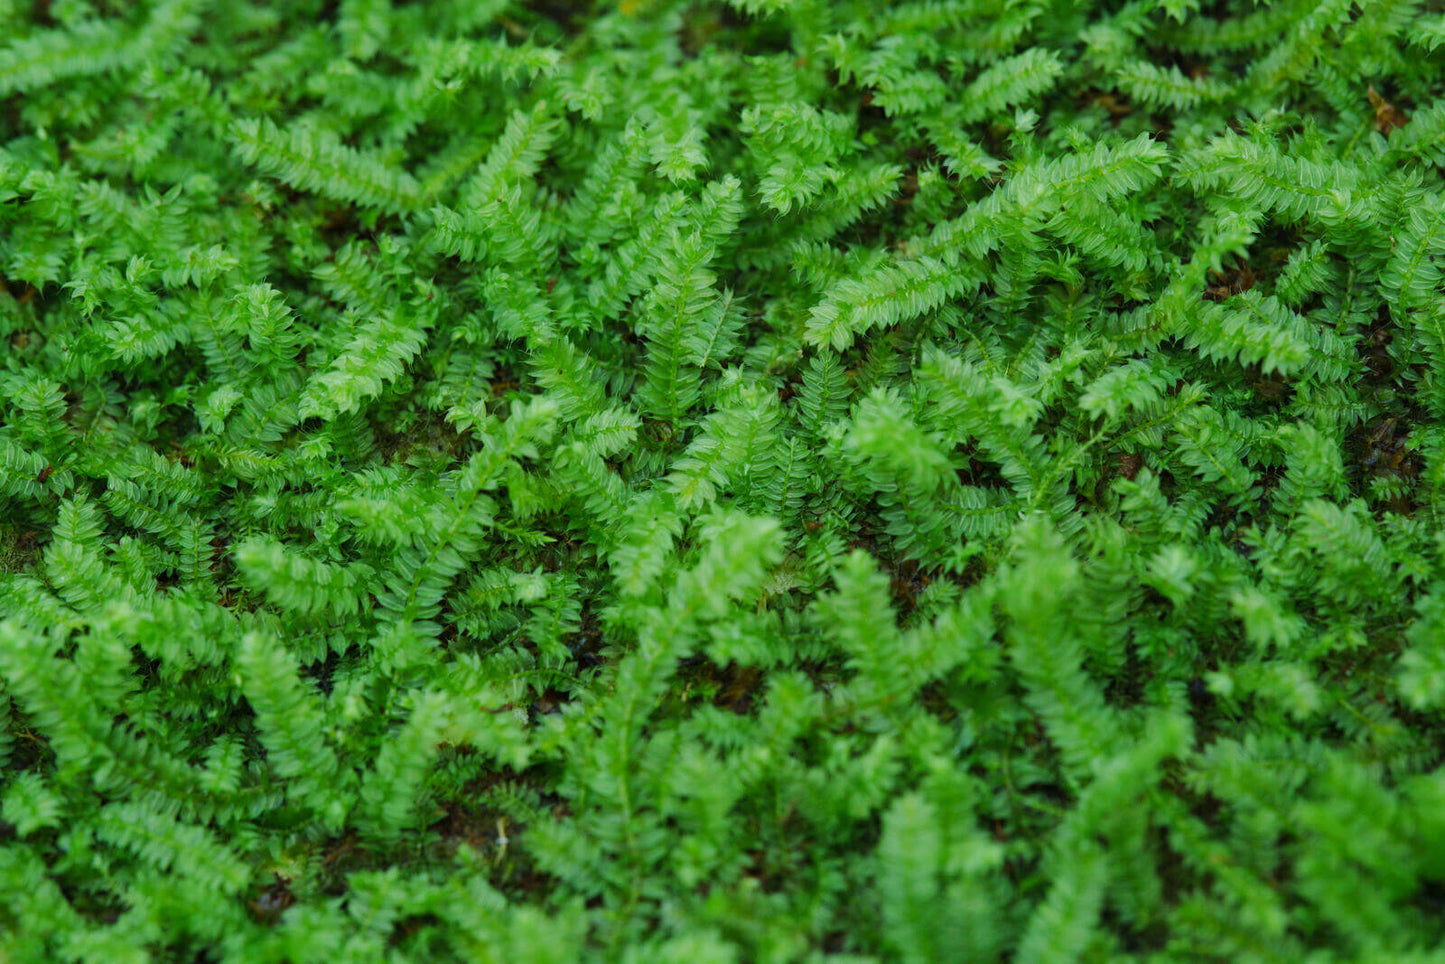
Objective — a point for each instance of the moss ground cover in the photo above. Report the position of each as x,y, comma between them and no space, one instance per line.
763,481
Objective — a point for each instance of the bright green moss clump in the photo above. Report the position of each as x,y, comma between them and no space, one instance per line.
711,482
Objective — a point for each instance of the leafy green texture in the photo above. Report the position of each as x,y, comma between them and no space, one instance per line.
747,481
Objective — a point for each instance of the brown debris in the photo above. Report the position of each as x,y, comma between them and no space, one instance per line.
1387,115
1229,283
267,908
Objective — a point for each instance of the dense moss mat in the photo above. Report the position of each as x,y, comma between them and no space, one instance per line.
957,480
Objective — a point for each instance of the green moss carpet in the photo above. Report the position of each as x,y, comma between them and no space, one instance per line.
713,483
